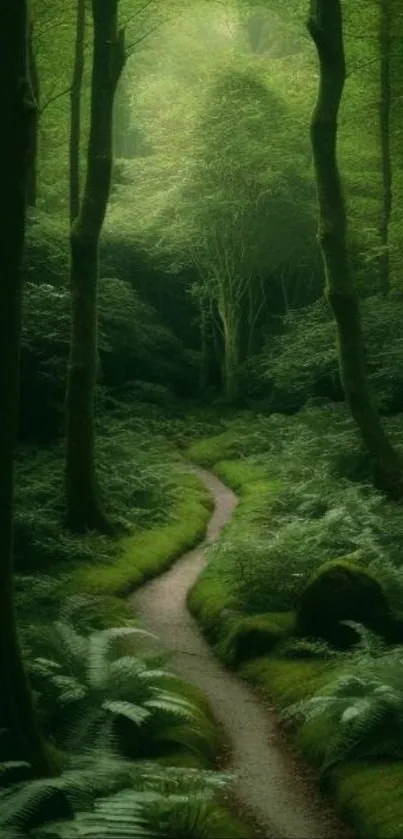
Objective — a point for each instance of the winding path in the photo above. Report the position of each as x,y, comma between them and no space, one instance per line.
270,786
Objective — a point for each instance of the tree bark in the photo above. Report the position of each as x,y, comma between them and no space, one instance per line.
34,125
121,128
75,111
385,42
22,739
84,510
325,28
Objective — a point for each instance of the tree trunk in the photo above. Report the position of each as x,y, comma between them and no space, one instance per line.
205,348
325,27
121,127
34,125
84,510
231,361
385,41
75,111
22,739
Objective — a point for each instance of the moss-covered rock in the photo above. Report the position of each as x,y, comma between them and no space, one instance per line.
255,636
340,591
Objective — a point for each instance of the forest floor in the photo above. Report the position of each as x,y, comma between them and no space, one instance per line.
271,787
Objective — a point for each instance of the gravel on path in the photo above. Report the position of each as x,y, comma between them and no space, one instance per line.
270,783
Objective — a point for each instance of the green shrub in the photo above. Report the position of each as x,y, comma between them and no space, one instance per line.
302,362
150,551
361,705
100,794
254,636
213,604
94,688
341,591
134,346
46,253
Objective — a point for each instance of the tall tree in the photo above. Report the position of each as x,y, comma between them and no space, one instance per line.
385,43
326,29
34,126
22,737
75,112
84,509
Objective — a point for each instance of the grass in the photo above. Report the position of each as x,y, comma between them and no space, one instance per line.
366,793
147,553
209,452
370,798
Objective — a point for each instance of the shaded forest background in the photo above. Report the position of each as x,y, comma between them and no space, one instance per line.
211,280
208,315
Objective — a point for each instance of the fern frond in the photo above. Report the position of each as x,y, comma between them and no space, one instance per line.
167,803
132,712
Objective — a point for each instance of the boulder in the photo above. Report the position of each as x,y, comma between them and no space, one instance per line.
254,636
339,591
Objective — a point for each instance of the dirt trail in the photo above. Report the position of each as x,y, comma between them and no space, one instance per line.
270,785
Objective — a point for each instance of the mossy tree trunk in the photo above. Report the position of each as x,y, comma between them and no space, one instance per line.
34,125
75,111
22,738
325,28
84,510
122,133
385,44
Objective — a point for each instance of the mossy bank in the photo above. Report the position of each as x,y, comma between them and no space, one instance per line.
265,645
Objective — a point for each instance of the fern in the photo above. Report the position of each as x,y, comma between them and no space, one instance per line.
363,705
99,692
101,795
166,803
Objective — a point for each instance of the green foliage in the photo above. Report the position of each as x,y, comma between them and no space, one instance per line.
254,636
186,812
46,255
102,794
296,511
367,792
340,591
165,508
141,493
134,347
135,344
362,704
302,361
94,689
147,553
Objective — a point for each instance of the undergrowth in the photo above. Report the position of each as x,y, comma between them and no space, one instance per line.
163,509
299,509
306,497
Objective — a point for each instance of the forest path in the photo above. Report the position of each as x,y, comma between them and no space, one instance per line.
270,786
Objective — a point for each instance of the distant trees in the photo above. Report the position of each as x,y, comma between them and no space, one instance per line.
325,27
84,509
20,736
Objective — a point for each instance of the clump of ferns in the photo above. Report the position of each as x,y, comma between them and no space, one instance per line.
102,795
95,690
361,707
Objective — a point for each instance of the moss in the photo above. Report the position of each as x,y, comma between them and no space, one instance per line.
286,681
150,552
239,474
212,604
369,796
208,452
254,636
339,591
